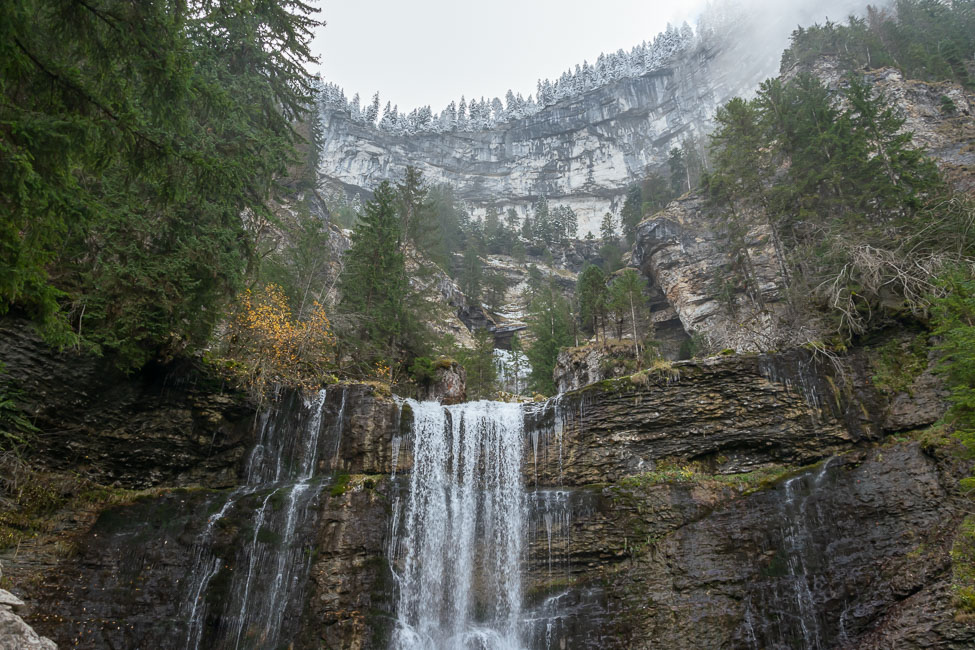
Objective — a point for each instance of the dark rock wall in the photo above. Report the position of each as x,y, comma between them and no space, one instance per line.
851,551
163,426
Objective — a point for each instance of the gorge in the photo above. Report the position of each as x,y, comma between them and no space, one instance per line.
740,420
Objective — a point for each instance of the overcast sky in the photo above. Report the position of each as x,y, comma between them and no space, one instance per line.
419,52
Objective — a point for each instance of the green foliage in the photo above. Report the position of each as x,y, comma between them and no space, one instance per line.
135,135
495,289
954,321
450,221
548,318
375,288
16,429
627,302
472,272
669,472
297,264
593,297
897,364
860,219
482,373
932,40
341,485
963,569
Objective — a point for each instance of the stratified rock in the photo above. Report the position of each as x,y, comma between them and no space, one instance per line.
683,252
172,426
740,412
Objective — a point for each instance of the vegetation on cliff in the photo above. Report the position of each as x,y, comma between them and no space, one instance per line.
134,137
930,40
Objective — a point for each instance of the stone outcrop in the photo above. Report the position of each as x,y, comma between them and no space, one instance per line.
449,384
682,252
738,413
15,634
576,368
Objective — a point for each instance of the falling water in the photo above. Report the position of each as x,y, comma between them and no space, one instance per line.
790,613
266,575
458,546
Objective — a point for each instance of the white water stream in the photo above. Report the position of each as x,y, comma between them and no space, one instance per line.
458,545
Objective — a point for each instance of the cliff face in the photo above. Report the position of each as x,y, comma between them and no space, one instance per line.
583,152
682,249
741,501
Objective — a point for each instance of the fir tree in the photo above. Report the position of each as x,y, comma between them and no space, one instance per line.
134,137
374,284
593,299
549,326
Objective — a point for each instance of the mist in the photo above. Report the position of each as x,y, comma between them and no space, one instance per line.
432,53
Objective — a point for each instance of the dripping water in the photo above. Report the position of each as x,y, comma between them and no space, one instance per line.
263,579
457,546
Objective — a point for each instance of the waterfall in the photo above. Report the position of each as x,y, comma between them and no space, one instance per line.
458,547
788,612
262,580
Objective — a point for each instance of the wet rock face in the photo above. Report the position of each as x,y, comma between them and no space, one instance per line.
733,412
126,585
170,426
847,554
351,595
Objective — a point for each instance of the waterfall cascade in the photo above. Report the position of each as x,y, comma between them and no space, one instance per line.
262,581
458,544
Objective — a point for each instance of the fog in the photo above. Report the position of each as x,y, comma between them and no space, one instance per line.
430,52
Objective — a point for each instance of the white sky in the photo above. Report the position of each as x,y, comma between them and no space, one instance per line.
420,52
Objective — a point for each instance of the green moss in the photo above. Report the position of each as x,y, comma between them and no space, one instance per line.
777,567
34,501
671,473
898,364
963,569
341,485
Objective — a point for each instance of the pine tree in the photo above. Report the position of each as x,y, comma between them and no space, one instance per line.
679,179
374,284
472,271
593,297
372,112
482,372
626,299
632,212
416,225
549,326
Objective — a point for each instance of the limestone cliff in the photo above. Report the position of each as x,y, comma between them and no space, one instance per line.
681,250
582,151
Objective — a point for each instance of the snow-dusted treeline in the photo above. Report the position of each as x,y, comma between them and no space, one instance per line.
478,114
